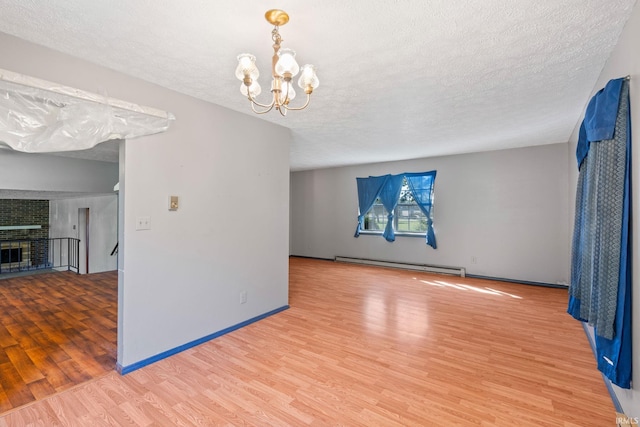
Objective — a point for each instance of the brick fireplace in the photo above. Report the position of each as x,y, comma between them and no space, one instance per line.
21,221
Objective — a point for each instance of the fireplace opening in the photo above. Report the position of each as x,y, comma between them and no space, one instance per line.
10,255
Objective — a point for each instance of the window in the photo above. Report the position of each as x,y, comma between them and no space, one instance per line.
407,215
397,203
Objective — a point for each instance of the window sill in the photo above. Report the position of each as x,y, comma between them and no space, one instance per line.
397,234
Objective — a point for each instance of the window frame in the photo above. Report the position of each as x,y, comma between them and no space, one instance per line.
383,189
413,205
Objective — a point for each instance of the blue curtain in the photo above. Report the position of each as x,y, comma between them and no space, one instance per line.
421,186
600,290
389,197
368,191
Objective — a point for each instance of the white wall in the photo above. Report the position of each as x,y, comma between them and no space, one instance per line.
181,280
506,208
625,60
231,174
103,227
41,172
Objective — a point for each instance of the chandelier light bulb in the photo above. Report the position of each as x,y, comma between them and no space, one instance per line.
247,67
254,89
308,78
287,62
288,93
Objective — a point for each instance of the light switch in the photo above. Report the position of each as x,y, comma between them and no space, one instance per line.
143,223
173,203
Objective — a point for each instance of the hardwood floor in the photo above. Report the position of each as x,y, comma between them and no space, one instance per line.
57,330
365,346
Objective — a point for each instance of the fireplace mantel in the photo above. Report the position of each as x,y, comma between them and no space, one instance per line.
20,227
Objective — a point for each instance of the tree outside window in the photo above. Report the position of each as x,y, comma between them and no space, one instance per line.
407,216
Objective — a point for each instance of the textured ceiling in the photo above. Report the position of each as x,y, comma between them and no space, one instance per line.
398,80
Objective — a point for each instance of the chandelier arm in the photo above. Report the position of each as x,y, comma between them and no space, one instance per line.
268,108
300,108
253,101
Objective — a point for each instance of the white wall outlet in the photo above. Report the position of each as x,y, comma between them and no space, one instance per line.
243,297
474,259
143,223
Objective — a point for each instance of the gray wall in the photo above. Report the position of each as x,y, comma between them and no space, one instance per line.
625,60
230,234
103,227
507,209
42,172
181,280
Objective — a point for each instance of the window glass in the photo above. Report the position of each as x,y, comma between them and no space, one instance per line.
407,216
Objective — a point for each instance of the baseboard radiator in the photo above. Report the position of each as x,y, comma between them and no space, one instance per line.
456,271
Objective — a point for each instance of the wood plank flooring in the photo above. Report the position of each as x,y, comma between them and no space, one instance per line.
57,330
364,346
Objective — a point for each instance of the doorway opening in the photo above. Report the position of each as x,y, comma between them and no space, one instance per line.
83,234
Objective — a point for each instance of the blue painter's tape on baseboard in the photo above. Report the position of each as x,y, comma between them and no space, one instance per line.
123,370
607,382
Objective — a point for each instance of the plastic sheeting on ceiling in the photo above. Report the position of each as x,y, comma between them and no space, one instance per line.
37,116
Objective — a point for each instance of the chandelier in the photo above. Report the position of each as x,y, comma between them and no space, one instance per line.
283,69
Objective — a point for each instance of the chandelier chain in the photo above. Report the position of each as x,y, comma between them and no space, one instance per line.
275,36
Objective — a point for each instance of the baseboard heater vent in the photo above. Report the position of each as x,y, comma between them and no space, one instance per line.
456,271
